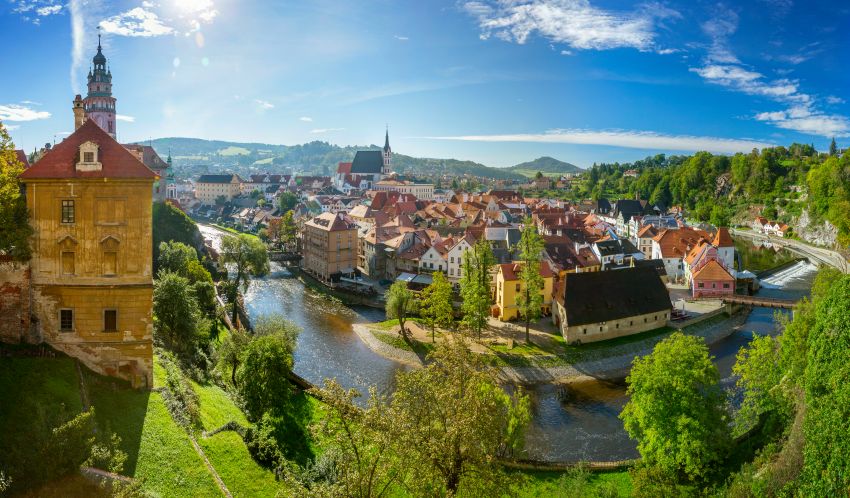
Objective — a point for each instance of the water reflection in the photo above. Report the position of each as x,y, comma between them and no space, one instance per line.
583,424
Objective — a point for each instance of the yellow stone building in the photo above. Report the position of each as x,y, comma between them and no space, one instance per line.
509,287
329,247
89,201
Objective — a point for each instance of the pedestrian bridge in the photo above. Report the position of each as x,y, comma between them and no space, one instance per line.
764,302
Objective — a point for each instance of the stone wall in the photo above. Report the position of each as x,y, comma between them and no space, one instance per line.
14,301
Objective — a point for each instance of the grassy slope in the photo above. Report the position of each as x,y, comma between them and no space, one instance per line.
559,484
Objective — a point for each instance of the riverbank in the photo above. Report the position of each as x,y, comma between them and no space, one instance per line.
601,361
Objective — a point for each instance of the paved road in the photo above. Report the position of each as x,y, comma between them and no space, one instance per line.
815,254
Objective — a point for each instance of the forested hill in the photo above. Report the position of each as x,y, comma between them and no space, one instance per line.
546,165
193,156
797,185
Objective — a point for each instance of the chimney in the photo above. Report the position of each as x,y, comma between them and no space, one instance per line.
79,112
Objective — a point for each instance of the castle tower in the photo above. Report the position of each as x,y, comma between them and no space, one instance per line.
99,103
387,154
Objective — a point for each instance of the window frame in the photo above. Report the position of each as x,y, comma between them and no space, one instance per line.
67,206
105,311
61,327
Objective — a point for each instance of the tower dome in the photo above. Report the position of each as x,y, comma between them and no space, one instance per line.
99,59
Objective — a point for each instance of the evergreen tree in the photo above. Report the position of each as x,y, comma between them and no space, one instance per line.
436,306
475,285
833,149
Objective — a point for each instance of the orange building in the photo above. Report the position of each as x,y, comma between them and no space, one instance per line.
89,201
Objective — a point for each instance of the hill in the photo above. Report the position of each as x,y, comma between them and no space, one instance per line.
547,165
193,156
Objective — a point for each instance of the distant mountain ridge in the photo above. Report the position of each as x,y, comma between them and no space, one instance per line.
545,165
194,154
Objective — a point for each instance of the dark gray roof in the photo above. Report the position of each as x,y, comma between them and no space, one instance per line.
628,208
367,161
595,297
612,247
216,178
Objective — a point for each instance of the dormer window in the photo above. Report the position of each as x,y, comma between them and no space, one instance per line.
88,157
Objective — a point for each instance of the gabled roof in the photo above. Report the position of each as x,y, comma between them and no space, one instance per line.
676,243
594,297
620,246
343,168
713,271
22,157
218,178
511,271
722,238
647,232
147,155
368,162
61,160
330,222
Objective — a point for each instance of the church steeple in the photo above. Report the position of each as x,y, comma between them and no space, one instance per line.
99,103
387,154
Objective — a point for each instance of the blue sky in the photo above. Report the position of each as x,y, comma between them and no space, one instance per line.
495,81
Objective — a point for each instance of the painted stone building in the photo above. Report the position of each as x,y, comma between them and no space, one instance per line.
89,201
603,305
509,287
329,247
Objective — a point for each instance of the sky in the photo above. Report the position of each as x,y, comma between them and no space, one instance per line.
494,81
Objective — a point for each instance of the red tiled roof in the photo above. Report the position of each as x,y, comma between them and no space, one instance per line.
344,168
61,160
22,157
510,271
722,238
713,271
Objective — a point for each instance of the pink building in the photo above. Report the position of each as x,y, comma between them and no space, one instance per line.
712,280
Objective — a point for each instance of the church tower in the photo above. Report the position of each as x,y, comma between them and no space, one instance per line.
99,103
387,154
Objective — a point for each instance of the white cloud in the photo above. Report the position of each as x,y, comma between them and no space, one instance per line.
48,10
15,112
573,22
264,104
128,119
306,119
400,38
804,120
136,22
326,130
832,99
623,138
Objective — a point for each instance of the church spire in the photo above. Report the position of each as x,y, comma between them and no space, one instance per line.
387,140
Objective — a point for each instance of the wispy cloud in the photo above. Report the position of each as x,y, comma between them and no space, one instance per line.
622,138
16,112
326,130
722,67
12,127
136,22
575,23
123,117
832,99
264,104
34,10
400,38
306,119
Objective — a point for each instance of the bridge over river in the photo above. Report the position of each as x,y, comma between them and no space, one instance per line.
763,302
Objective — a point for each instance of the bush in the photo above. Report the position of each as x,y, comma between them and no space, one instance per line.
261,443
179,395
263,377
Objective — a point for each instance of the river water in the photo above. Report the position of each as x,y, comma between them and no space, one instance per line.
583,427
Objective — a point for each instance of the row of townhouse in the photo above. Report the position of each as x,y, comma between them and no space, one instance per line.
768,227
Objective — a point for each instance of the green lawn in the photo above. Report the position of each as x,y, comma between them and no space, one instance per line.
232,150
412,345
575,484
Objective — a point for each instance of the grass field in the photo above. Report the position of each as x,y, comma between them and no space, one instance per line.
234,151
575,484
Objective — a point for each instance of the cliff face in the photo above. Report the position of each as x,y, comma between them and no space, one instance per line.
821,234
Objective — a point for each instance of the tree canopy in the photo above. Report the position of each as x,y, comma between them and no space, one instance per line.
14,237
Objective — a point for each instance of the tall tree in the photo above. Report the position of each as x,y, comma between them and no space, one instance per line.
16,231
287,201
530,299
475,286
451,420
833,149
178,322
263,376
436,307
175,257
676,410
248,258
400,304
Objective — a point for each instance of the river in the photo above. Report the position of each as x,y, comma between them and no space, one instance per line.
584,427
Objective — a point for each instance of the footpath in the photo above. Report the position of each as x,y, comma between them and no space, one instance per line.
616,365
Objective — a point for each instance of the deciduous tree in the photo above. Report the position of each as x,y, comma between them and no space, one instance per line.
400,304
263,376
178,322
248,258
436,307
16,231
676,410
